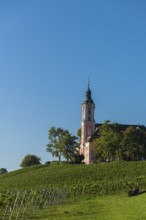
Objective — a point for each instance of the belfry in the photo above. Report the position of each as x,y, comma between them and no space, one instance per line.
87,126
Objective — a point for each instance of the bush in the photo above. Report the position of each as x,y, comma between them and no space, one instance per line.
47,162
30,160
3,170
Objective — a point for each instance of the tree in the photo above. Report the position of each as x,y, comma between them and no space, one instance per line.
79,133
61,143
78,158
106,146
69,145
3,170
30,160
55,142
133,144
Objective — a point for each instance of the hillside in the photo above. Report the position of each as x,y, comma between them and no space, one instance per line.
78,179
111,207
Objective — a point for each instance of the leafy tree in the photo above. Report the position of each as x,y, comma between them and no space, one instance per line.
78,158
115,144
106,146
79,132
3,170
133,144
55,144
69,145
30,160
61,143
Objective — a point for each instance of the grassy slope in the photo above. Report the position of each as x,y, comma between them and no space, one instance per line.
86,181
107,207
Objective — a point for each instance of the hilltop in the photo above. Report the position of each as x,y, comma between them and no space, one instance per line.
78,179
97,191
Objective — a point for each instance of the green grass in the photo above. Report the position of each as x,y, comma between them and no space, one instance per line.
108,207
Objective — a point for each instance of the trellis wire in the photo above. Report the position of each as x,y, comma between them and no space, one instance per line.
21,203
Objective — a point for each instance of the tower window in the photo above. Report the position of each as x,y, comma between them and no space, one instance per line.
88,118
89,111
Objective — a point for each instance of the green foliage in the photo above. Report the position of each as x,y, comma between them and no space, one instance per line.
61,143
108,143
69,146
54,146
19,201
47,162
30,160
114,143
112,207
79,133
133,144
78,158
3,170
81,179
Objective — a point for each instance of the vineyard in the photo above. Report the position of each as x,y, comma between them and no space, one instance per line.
20,204
38,187
78,179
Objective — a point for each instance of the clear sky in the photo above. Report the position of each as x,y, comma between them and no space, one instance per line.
47,51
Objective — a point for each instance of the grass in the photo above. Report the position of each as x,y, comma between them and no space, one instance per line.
107,207
97,191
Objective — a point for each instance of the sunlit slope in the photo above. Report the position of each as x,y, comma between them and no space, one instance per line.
79,179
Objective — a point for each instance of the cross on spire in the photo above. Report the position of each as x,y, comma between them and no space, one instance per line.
88,83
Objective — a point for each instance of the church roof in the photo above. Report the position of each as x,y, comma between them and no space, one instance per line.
88,98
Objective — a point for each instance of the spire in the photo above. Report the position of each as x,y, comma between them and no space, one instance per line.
88,94
88,83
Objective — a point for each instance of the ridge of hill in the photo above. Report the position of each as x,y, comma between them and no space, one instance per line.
78,179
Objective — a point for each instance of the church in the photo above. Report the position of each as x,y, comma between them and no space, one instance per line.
89,129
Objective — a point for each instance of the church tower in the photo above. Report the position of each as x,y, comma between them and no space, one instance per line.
87,125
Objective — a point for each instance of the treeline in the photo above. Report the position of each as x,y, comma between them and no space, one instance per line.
115,142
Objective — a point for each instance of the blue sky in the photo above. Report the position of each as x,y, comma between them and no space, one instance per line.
47,51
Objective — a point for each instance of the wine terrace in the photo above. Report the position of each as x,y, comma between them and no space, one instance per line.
20,204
